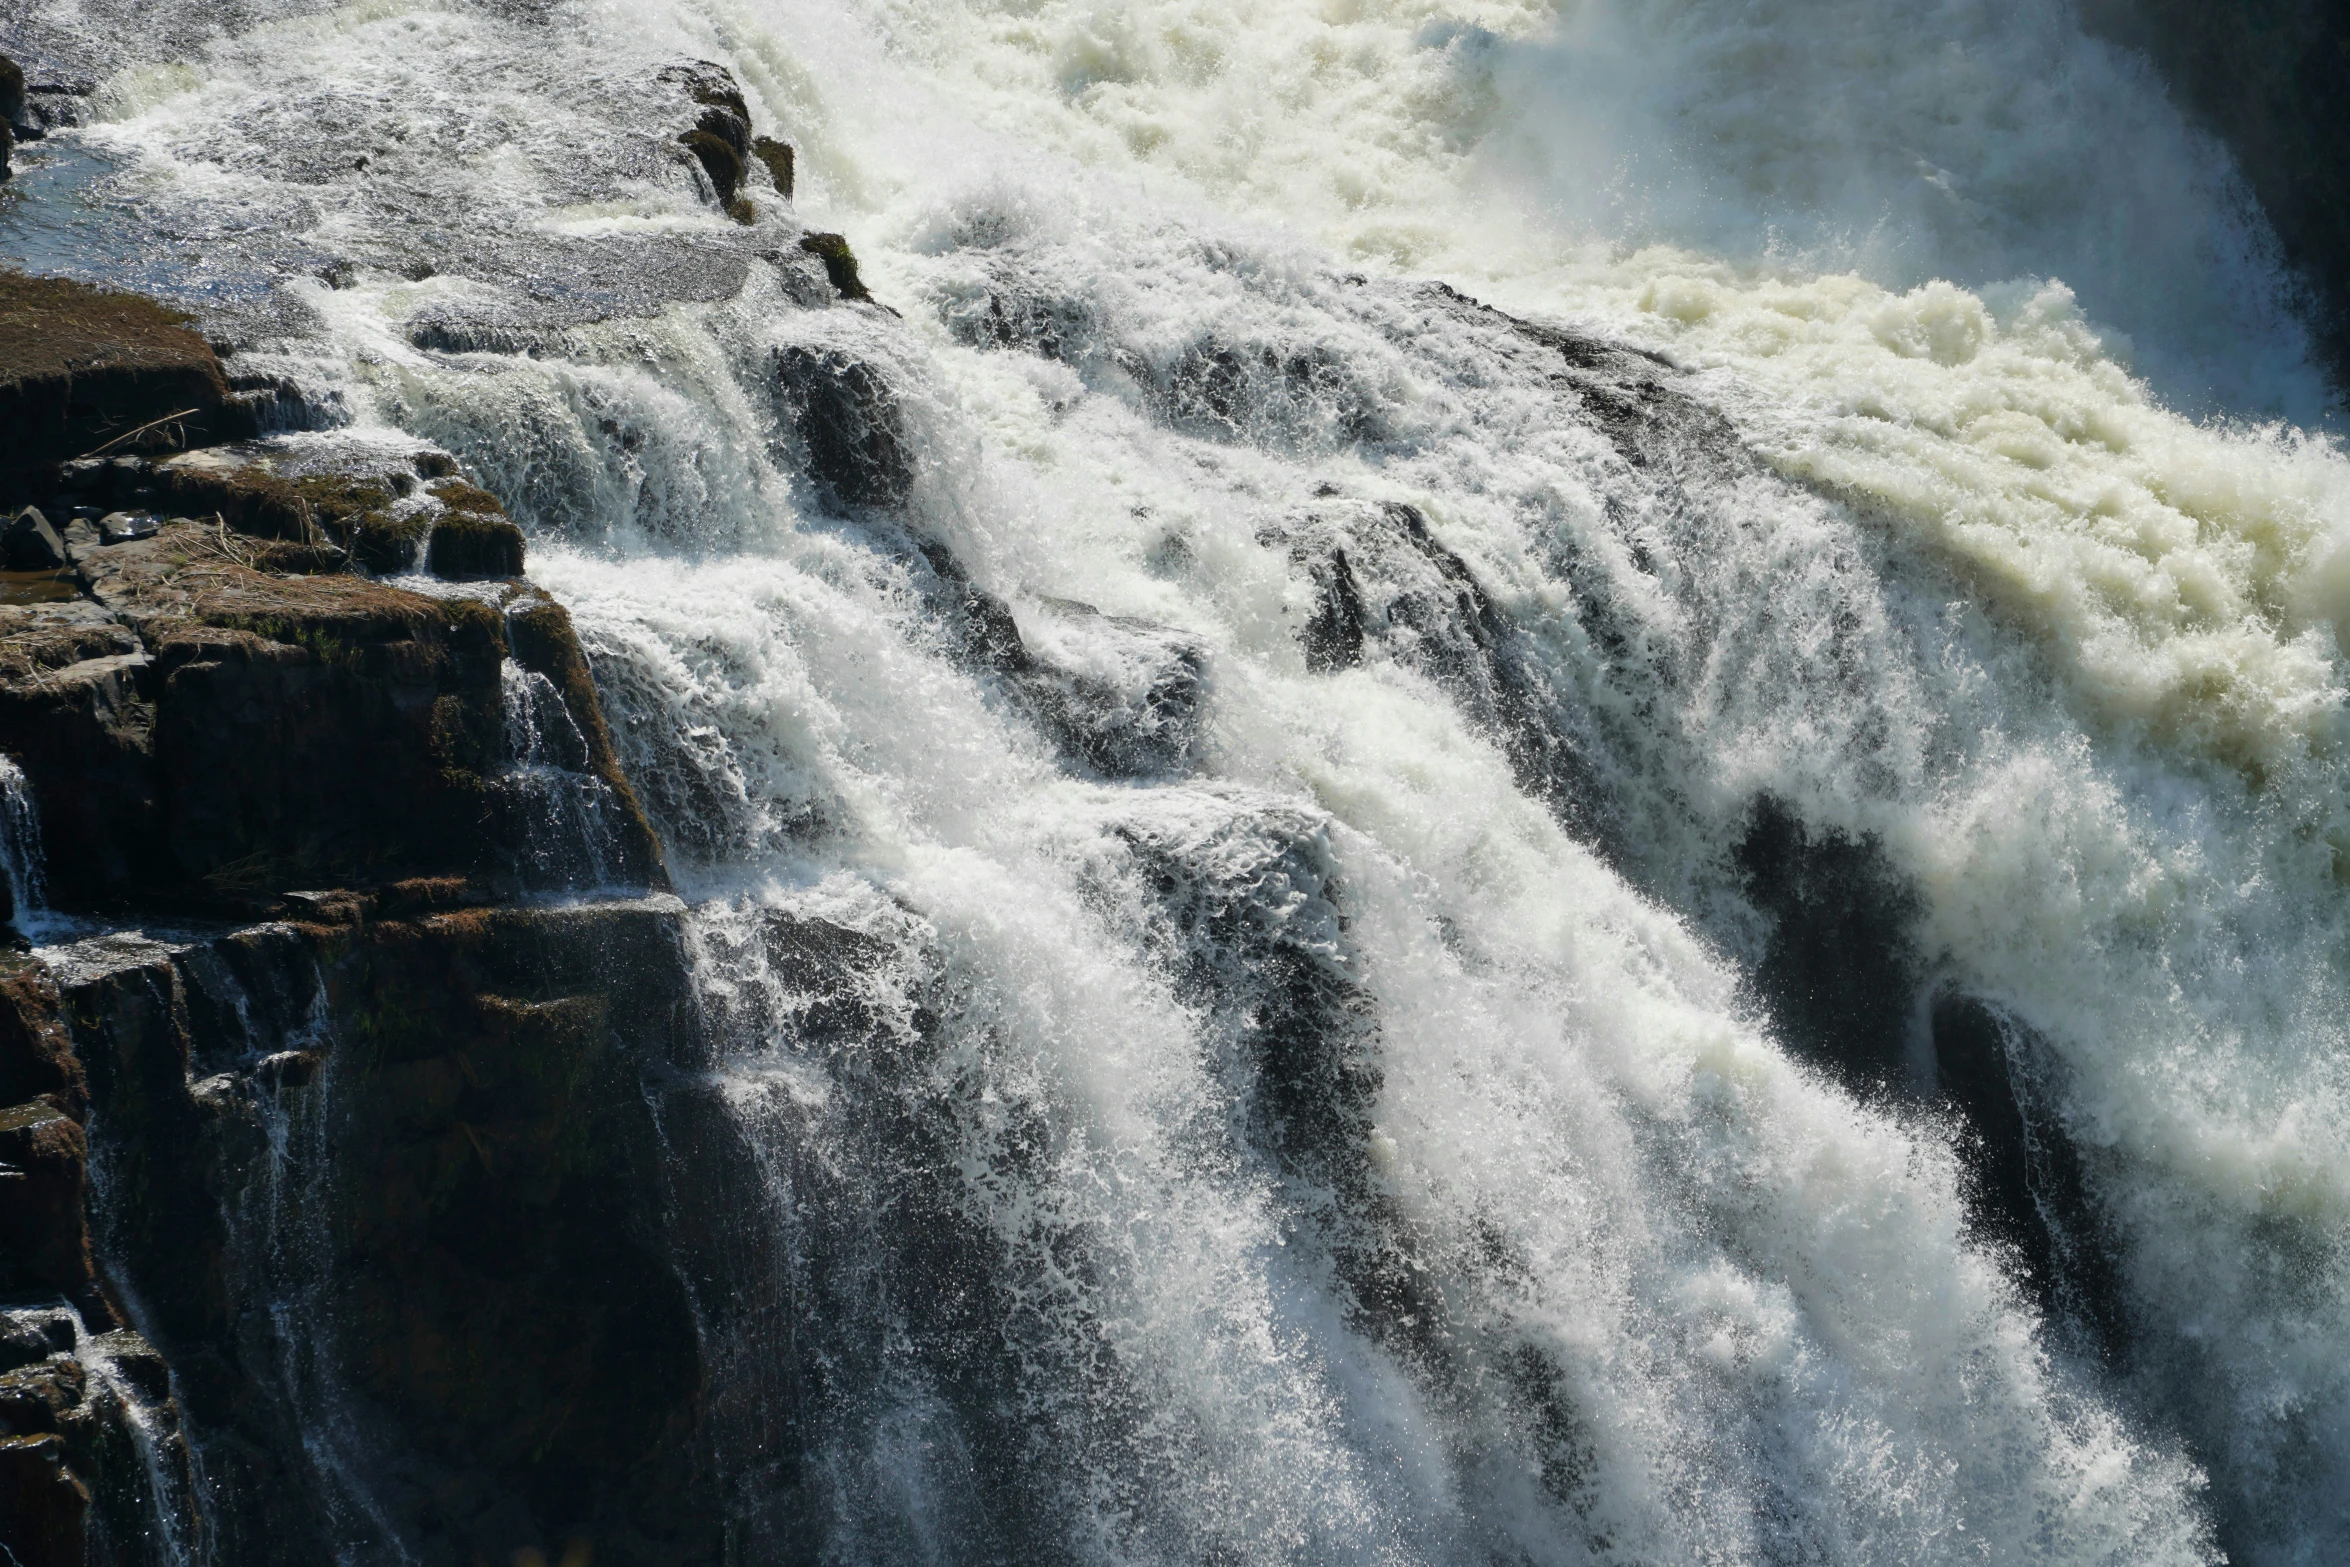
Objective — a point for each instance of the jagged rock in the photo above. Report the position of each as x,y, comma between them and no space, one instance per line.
21,1344
30,544
512,1327
779,159
77,715
81,367
211,732
36,1057
849,422
718,159
721,136
101,1430
1378,577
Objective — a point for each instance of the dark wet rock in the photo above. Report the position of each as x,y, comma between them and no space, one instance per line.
98,1421
82,368
44,1242
473,539
43,1506
2029,1191
1838,969
127,527
1378,577
778,158
1260,948
720,139
208,731
840,263
7,152
22,1344
30,544
2270,80
1122,695
77,714
515,1345
1016,311
36,1057
719,160
849,424
540,634
12,92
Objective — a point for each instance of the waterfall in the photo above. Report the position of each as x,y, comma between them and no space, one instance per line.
1485,782
20,846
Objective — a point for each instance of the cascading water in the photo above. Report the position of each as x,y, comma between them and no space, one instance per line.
1345,927
20,846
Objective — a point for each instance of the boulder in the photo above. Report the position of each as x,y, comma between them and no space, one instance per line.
12,93
30,544
83,368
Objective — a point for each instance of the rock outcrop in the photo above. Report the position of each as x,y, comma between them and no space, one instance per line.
407,1109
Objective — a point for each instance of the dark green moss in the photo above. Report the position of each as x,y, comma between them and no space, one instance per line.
840,263
719,160
778,157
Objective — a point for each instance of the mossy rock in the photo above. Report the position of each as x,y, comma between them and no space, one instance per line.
718,159
840,264
778,157
86,369
387,544
469,547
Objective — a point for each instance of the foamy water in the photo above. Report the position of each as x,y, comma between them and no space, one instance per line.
2021,579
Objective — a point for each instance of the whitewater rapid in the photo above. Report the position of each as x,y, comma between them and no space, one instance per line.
2008,548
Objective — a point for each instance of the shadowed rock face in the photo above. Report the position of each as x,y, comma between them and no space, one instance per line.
415,1123
211,719
2272,79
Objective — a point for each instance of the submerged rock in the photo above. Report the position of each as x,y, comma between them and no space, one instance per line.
850,424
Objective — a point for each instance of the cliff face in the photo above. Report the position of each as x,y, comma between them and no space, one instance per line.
2272,79
356,1169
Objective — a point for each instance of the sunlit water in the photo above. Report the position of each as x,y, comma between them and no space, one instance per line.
2029,574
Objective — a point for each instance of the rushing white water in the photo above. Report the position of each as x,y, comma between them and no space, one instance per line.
1580,1260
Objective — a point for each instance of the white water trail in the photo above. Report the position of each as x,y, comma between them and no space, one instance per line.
2069,655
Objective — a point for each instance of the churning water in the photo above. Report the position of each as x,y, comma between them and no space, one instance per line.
1317,1053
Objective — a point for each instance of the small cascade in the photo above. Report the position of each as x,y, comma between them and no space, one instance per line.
21,860
564,837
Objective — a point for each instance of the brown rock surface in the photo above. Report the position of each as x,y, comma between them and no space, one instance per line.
82,368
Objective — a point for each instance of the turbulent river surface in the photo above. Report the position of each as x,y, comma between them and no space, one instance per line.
1438,974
